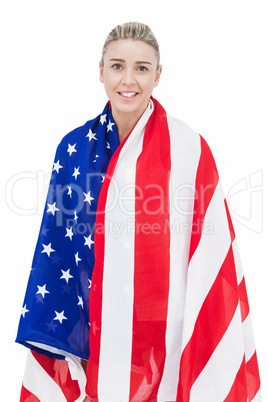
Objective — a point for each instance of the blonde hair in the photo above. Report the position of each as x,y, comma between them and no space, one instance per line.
135,31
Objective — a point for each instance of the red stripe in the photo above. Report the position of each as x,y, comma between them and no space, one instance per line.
212,322
230,223
95,302
152,260
239,390
244,306
27,396
253,378
206,173
58,370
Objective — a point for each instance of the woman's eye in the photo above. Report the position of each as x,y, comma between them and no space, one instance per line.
142,68
117,66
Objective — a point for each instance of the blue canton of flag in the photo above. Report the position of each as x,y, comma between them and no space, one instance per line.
56,306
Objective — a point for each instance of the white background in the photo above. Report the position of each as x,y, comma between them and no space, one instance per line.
214,57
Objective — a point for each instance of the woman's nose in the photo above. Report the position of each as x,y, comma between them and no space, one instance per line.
128,77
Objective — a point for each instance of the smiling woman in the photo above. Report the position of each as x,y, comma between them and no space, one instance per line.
155,311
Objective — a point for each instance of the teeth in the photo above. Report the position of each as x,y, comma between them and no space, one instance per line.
128,94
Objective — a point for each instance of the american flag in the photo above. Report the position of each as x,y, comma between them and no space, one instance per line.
169,315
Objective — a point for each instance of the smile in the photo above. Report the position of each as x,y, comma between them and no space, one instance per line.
129,95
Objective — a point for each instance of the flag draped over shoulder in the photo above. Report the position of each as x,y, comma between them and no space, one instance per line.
168,315
55,317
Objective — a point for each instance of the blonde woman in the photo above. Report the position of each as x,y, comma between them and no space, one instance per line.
136,291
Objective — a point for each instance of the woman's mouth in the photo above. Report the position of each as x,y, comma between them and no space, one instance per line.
128,95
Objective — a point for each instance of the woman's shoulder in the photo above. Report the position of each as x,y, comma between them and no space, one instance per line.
76,135
193,144
180,128
182,136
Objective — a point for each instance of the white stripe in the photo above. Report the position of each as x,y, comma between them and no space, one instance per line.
216,379
117,301
185,154
48,348
206,261
39,383
237,260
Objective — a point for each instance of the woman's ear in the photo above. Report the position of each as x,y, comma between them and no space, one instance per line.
101,72
157,77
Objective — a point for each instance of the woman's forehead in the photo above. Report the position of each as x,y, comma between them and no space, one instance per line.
130,50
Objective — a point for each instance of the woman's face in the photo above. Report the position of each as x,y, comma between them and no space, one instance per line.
129,75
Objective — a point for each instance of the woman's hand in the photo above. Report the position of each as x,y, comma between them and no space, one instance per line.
86,399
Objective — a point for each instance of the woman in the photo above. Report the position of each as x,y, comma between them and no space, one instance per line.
135,194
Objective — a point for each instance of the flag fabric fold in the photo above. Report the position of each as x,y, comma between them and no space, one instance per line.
164,315
51,379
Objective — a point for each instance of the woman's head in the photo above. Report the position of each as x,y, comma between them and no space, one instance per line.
135,31
129,69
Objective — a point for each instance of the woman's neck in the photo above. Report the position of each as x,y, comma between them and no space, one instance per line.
124,131
124,126
125,123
